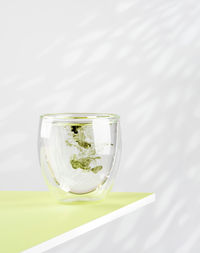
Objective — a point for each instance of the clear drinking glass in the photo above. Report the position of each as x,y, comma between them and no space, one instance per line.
79,154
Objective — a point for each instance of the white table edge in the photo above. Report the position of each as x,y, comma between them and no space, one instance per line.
60,239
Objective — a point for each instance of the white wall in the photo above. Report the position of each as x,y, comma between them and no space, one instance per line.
137,58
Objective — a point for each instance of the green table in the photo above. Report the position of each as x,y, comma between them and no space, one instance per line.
35,222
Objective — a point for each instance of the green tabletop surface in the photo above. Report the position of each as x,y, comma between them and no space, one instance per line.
30,218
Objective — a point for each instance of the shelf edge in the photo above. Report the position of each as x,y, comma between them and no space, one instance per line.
60,239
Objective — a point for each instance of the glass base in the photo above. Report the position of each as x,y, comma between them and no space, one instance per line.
76,200
68,197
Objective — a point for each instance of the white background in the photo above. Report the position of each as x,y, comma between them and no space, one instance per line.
136,58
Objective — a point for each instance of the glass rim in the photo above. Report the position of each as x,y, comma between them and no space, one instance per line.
79,116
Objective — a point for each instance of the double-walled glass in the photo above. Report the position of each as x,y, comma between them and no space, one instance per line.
79,154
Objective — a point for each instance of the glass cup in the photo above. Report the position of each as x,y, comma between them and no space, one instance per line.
79,154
